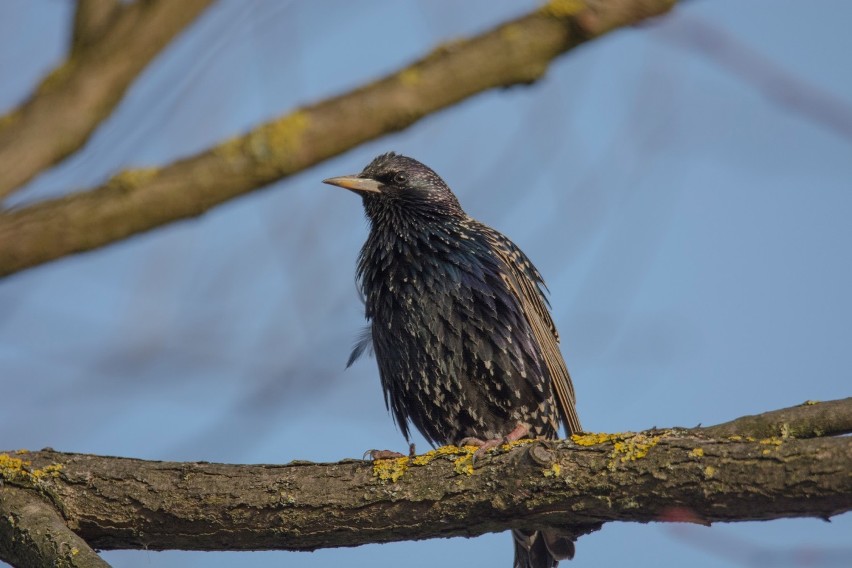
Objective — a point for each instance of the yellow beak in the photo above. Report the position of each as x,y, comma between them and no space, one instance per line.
355,183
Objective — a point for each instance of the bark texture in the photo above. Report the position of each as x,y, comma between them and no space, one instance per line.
657,475
34,534
134,201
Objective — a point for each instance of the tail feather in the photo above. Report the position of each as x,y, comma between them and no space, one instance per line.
542,549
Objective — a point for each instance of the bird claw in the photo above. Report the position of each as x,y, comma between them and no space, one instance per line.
389,454
382,454
483,446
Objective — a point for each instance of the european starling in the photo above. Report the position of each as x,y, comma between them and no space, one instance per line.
466,347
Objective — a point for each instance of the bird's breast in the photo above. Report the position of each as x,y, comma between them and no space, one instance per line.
455,352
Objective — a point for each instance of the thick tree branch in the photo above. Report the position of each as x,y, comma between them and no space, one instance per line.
517,52
33,534
655,475
111,47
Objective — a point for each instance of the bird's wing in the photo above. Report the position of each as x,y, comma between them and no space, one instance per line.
526,283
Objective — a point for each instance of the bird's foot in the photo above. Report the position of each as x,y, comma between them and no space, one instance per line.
520,431
389,454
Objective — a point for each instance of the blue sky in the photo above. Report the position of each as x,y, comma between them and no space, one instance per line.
684,187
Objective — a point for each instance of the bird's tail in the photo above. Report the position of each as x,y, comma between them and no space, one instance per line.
542,549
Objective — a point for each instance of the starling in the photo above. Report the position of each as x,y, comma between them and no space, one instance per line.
460,326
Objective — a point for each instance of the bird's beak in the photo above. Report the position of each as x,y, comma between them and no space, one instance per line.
355,183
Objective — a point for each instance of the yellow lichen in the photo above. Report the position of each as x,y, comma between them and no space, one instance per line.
625,447
516,443
634,448
11,468
75,551
429,456
129,179
16,469
709,471
409,77
51,470
464,464
393,469
553,471
773,441
810,402
697,453
738,438
390,469
285,134
563,8
274,141
594,439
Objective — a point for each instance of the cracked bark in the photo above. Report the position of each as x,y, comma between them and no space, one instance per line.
34,534
134,201
657,475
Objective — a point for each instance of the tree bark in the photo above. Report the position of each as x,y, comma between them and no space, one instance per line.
135,201
657,475
34,534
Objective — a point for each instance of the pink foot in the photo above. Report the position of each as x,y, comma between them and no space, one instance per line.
519,432
389,454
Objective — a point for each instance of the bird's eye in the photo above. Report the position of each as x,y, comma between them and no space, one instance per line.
400,178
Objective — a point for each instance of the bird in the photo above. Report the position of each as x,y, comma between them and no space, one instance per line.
460,326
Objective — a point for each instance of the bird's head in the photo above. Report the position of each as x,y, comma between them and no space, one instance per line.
403,184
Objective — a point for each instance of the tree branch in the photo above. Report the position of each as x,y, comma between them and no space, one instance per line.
593,478
91,20
111,47
33,534
833,419
517,52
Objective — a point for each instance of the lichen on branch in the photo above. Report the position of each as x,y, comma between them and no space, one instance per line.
587,480
515,53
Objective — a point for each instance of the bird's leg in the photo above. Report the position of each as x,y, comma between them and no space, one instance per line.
520,431
390,454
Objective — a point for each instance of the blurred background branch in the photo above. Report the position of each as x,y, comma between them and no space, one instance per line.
517,52
112,44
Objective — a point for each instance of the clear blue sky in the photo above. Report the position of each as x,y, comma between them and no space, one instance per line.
684,187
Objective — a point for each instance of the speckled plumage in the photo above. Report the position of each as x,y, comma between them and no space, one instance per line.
459,323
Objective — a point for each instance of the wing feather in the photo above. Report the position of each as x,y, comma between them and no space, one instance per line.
526,283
